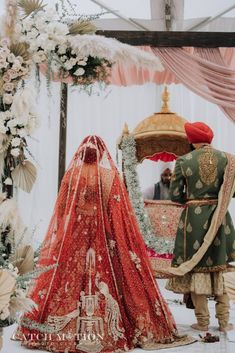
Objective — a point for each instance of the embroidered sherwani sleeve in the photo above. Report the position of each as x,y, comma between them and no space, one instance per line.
177,186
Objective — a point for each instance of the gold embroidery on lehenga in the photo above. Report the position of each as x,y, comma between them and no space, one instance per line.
136,260
90,327
208,166
158,307
112,313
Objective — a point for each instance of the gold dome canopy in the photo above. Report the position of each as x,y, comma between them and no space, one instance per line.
161,132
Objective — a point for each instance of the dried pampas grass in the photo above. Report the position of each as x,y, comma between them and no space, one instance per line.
82,27
114,51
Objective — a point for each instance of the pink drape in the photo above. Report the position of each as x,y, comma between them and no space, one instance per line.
213,81
210,73
216,55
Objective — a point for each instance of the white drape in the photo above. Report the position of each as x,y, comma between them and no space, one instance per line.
105,116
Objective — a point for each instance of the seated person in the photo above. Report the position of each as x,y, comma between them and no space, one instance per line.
160,191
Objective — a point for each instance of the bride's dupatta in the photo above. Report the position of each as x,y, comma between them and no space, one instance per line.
102,283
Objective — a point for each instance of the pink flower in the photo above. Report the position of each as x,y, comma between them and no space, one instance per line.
7,77
8,87
13,73
5,42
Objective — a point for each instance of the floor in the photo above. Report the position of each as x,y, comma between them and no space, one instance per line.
184,318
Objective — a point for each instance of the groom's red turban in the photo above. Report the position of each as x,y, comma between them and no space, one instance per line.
198,132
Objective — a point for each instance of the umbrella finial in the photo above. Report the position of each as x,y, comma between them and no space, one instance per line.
165,100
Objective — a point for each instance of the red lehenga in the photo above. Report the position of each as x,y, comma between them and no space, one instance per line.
101,296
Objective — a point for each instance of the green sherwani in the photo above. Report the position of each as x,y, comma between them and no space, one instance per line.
197,179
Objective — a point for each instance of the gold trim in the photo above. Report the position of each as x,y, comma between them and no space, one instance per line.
202,202
185,233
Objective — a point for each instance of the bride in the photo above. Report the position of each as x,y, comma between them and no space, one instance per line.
101,295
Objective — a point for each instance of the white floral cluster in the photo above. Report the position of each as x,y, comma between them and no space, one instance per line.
50,44
17,117
18,124
43,32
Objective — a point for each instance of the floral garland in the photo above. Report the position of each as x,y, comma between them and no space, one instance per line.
158,244
17,116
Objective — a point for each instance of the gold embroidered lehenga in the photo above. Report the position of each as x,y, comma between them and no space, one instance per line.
101,296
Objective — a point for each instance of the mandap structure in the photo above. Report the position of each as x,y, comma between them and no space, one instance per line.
160,137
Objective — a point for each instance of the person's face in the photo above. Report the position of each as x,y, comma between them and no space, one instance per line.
166,176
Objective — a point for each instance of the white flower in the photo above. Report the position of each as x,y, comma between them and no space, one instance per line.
22,132
68,65
33,33
40,23
73,61
39,57
57,28
63,58
34,46
11,58
3,63
79,72
12,123
62,49
5,115
8,181
13,131
3,128
15,152
27,24
82,63
16,141
7,98
49,45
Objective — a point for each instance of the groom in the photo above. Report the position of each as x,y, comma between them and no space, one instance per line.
203,180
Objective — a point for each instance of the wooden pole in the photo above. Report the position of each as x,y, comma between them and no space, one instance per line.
63,131
173,38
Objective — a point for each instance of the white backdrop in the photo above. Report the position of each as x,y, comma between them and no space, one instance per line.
105,116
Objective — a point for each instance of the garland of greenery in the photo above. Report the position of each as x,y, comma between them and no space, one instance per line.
159,244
